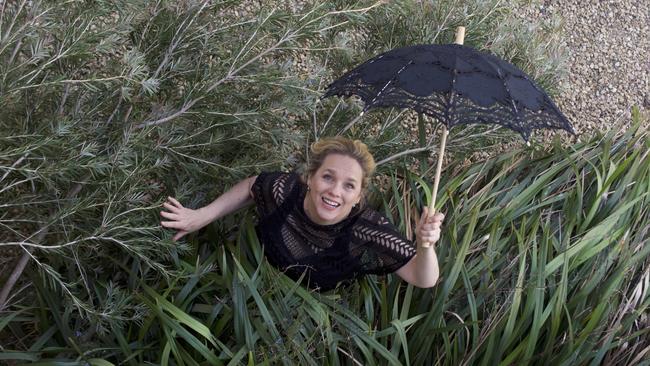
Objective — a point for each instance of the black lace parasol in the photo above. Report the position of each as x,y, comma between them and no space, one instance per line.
455,85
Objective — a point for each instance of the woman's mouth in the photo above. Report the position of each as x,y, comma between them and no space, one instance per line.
330,203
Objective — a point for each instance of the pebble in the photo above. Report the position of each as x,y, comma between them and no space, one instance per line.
608,47
609,59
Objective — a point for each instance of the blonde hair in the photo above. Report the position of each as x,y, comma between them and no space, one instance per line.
342,146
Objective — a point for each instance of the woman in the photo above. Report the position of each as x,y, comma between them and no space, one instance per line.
319,224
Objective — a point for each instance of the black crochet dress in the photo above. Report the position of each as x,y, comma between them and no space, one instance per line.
365,242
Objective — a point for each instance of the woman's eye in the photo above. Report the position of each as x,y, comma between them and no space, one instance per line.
327,177
349,186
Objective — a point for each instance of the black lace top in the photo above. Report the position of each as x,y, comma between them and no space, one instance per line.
365,242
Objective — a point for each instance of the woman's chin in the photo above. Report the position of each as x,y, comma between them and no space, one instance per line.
326,219
330,217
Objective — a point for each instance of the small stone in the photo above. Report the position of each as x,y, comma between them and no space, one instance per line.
599,93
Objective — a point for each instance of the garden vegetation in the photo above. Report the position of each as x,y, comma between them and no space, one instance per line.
110,106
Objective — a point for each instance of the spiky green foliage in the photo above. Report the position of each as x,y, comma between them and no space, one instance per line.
544,261
110,106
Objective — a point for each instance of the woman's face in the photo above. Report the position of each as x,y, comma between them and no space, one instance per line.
333,189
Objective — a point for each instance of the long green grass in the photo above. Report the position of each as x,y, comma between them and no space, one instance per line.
107,107
544,260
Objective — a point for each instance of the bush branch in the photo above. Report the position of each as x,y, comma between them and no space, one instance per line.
24,259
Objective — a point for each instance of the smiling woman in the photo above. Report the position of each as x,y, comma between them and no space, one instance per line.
318,225
333,190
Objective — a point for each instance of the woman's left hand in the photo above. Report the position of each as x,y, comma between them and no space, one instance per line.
183,219
428,229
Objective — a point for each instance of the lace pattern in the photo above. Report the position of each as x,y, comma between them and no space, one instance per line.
454,84
363,243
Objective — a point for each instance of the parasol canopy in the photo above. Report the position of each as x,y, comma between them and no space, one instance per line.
454,84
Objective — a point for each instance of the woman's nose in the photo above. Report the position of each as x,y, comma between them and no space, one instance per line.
336,190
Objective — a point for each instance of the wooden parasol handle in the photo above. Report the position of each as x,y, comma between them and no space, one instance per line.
460,35
460,39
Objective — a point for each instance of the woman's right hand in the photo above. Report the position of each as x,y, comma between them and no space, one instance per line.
185,220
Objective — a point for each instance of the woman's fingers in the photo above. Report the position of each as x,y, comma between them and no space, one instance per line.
437,217
428,230
430,216
175,213
175,225
170,207
431,239
424,216
175,202
431,226
171,224
180,234
169,215
430,236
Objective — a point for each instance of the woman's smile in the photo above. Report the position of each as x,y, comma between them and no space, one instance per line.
330,203
334,189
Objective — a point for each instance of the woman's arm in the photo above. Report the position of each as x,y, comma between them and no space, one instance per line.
187,220
422,270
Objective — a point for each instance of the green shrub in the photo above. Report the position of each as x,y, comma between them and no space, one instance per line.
110,106
544,261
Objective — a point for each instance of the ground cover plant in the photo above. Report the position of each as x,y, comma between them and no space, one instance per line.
110,106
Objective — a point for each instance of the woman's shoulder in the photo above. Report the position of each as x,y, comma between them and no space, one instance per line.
279,181
275,185
277,174
373,217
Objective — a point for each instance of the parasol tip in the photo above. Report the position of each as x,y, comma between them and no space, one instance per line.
460,35
572,130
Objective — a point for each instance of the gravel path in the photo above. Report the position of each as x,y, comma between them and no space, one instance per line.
608,42
609,58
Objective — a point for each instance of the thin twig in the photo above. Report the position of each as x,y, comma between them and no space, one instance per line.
182,111
14,166
287,36
178,37
13,21
66,82
315,122
24,259
351,357
197,159
330,116
61,246
347,127
17,183
406,152
243,52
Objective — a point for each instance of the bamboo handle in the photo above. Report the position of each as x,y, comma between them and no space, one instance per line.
460,39
460,35
436,180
